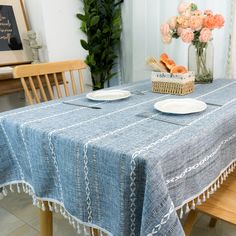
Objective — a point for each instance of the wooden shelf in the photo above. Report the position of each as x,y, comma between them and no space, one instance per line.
5,76
9,86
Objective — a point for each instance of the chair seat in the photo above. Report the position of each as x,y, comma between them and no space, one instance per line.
222,204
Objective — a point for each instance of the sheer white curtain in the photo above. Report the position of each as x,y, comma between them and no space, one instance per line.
143,19
232,46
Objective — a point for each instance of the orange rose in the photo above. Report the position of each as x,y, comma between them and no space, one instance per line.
219,21
209,22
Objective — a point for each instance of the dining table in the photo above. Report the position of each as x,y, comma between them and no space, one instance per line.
125,169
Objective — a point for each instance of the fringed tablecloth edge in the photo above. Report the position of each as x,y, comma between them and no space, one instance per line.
58,207
53,206
198,199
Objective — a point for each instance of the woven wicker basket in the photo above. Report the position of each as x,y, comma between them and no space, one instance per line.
178,84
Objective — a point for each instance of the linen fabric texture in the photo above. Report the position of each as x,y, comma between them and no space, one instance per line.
117,171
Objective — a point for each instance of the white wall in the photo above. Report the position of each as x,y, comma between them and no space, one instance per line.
63,29
36,21
58,28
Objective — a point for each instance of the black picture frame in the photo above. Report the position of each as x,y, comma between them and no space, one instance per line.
13,30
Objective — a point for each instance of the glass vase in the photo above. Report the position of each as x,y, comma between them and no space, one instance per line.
201,61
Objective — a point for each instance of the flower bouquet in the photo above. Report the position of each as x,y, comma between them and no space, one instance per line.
195,27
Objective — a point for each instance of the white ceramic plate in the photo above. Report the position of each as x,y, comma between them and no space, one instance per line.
108,95
180,106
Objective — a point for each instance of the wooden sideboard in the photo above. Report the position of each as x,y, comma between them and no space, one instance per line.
9,85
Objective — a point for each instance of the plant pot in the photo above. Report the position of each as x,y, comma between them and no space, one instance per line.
201,61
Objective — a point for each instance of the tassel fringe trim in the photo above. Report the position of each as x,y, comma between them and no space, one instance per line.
200,198
88,229
53,206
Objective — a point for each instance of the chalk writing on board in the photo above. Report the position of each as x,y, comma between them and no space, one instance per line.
9,33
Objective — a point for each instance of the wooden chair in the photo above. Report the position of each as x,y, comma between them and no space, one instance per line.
39,80
43,82
221,205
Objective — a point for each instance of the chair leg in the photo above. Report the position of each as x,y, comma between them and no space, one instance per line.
212,222
94,232
46,222
189,222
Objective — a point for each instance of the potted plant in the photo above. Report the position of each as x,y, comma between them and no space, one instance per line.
101,22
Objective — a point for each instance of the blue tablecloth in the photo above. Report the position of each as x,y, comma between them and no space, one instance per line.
115,170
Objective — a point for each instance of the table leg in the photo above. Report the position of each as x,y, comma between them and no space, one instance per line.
189,222
212,222
46,223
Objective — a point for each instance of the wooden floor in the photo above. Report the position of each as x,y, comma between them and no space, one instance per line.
19,218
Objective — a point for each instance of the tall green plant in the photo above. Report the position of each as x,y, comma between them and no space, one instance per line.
101,22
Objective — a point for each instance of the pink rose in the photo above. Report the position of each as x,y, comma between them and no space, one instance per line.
179,30
167,38
183,21
172,22
187,35
208,12
187,13
197,13
205,35
195,22
219,21
183,7
165,29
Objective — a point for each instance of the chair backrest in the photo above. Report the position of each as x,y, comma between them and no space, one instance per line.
38,80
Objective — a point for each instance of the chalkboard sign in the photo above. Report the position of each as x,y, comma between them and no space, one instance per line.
13,30
9,33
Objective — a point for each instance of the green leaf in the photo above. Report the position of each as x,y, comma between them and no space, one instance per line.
91,60
116,22
81,17
96,49
117,13
111,75
193,7
175,35
115,35
94,20
98,33
106,29
84,44
83,27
